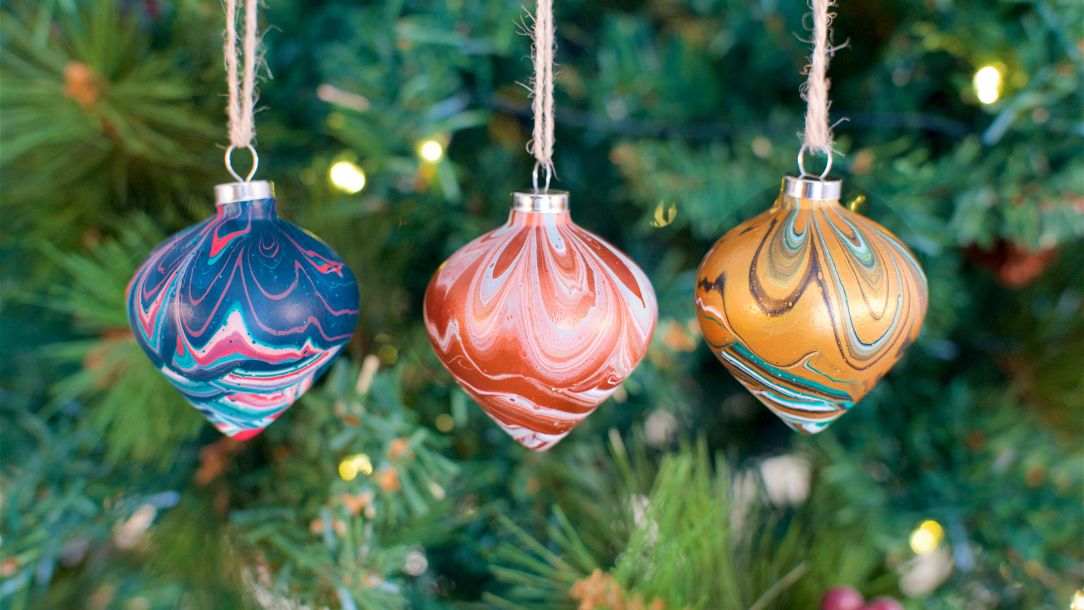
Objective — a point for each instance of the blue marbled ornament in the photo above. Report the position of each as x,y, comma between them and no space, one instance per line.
242,312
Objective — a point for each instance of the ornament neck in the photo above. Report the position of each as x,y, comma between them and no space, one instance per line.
252,199
538,208
528,218
254,209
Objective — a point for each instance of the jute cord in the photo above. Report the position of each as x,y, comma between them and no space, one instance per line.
241,82
543,50
817,137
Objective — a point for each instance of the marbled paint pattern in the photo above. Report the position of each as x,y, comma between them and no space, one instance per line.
540,321
242,312
808,305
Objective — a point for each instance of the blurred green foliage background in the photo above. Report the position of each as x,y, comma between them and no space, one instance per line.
958,483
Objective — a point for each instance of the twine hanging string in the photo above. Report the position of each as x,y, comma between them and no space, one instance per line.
817,137
542,53
242,87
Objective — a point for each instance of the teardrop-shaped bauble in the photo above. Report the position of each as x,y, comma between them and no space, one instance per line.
243,311
539,320
809,304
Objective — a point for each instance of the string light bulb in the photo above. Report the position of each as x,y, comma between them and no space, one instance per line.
346,176
987,82
445,422
353,465
431,150
1078,601
927,537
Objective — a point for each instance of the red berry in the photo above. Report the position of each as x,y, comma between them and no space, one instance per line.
842,598
883,603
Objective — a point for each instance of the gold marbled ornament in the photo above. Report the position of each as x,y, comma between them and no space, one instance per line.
809,304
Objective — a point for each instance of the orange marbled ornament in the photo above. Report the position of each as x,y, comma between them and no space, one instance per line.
809,304
539,320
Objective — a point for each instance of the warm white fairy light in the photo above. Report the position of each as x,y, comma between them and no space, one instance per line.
1078,601
927,537
346,176
445,422
987,83
431,150
351,466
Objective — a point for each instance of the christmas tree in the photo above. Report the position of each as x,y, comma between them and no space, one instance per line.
395,131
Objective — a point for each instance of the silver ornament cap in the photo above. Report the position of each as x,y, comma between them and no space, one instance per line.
548,202
812,188
233,192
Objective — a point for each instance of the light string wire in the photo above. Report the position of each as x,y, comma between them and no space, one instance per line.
817,137
240,108
543,50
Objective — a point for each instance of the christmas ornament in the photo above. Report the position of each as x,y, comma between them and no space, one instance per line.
809,304
842,598
539,320
846,598
243,311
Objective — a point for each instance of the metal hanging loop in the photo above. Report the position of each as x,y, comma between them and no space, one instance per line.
534,177
251,172
801,165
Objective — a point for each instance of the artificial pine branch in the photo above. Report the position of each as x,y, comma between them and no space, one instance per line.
91,116
690,544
